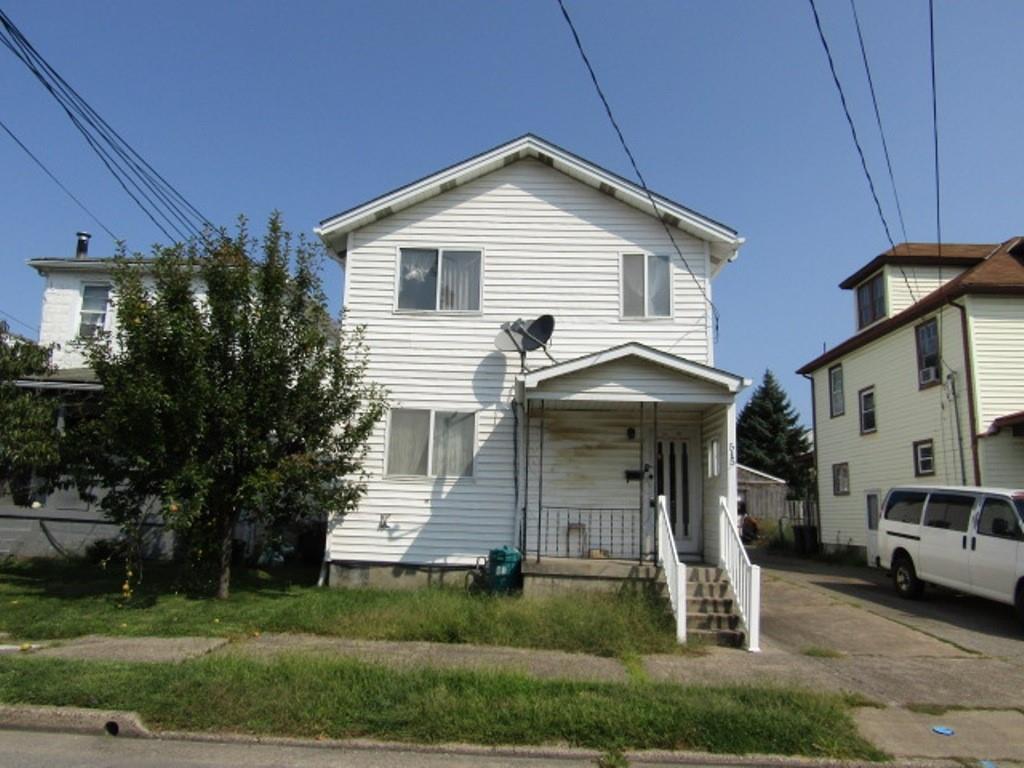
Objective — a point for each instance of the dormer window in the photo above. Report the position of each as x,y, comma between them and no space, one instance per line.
433,279
93,317
870,301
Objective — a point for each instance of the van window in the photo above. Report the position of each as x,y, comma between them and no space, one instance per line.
998,518
949,511
905,507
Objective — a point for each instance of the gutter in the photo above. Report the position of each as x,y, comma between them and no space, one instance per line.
972,415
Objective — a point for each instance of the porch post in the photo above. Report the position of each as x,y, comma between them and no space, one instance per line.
540,479
643,482
526,471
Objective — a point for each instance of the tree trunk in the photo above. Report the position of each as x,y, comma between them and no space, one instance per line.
226,545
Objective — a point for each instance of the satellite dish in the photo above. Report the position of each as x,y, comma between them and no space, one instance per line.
522,336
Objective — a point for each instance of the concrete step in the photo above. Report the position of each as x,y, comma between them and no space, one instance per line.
709,605
705,574
729,638
711,589
712,621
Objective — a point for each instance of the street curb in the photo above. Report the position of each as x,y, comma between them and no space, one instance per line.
98,722
74,720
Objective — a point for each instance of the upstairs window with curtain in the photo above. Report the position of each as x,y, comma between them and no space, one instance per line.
646,285
431,279
93,317
871,301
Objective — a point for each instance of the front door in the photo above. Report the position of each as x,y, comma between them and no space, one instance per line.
673,469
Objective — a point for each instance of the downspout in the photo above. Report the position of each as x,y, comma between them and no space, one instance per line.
972,415
951,380
817,474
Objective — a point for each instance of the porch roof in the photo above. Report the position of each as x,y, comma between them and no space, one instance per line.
632,372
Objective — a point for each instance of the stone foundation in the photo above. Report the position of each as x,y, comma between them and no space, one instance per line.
396,576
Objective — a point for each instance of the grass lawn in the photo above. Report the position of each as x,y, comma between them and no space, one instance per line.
47,599
311,697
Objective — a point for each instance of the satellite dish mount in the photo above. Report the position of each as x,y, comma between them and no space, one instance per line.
526,336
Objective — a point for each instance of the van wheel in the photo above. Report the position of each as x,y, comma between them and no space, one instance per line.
904,577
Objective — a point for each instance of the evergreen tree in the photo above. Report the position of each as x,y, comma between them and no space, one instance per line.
771,439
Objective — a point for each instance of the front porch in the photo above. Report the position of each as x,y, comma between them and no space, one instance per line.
627,473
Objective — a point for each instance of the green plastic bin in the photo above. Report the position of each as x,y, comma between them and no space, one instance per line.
504,569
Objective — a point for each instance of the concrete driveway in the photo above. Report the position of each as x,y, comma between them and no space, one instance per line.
844,628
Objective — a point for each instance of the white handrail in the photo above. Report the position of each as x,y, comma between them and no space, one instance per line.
675,571
743,575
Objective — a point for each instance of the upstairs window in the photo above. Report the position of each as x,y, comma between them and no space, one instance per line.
927,353
868,423
93,317
423,443
870,301
646,285
836,399
841,479
432,279
924,458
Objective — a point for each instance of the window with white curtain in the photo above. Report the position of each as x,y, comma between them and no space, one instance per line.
423,442
93,317
646,285
438,279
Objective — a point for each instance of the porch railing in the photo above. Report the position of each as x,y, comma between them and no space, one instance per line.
743,575
675,571
612,533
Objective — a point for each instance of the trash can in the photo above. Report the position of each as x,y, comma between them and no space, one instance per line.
504,569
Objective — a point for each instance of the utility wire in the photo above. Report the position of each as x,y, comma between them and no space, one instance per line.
154,195
885,144
56,181
935,126
19,321
849,120
632,161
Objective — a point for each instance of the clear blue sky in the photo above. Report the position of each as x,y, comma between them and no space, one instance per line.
313,107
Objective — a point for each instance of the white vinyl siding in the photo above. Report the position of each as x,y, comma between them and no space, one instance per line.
550,245
997,340
919,282
886,459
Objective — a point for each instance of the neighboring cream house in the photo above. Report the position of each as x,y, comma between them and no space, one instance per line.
563,459
930,390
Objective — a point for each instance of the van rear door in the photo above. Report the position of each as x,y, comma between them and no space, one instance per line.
944,555
994,550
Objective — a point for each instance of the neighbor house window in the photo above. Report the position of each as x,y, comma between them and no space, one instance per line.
841,479
836,399
927,353
439,280
93,317
924,458
867,410
423,442
646,285
871,301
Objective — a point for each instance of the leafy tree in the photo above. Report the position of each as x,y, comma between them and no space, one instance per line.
29,439
228,391
771,439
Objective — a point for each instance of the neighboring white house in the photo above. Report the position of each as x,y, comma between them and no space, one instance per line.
931,387
566,457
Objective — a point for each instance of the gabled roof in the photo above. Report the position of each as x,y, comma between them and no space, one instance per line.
923,255
1001,273
728,381
724,239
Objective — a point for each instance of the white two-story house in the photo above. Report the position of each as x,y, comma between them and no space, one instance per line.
929,390
565,457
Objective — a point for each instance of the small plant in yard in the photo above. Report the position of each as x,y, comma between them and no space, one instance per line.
613,758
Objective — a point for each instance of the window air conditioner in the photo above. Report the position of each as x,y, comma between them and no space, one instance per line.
928,375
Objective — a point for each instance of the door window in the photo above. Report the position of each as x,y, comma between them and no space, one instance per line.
998,518
948,511
872,502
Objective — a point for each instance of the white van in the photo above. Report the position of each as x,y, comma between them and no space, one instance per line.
969,539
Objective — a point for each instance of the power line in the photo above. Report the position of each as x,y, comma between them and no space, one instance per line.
935,125
885,144
57,181
154,195
19,321
636,168
849,120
